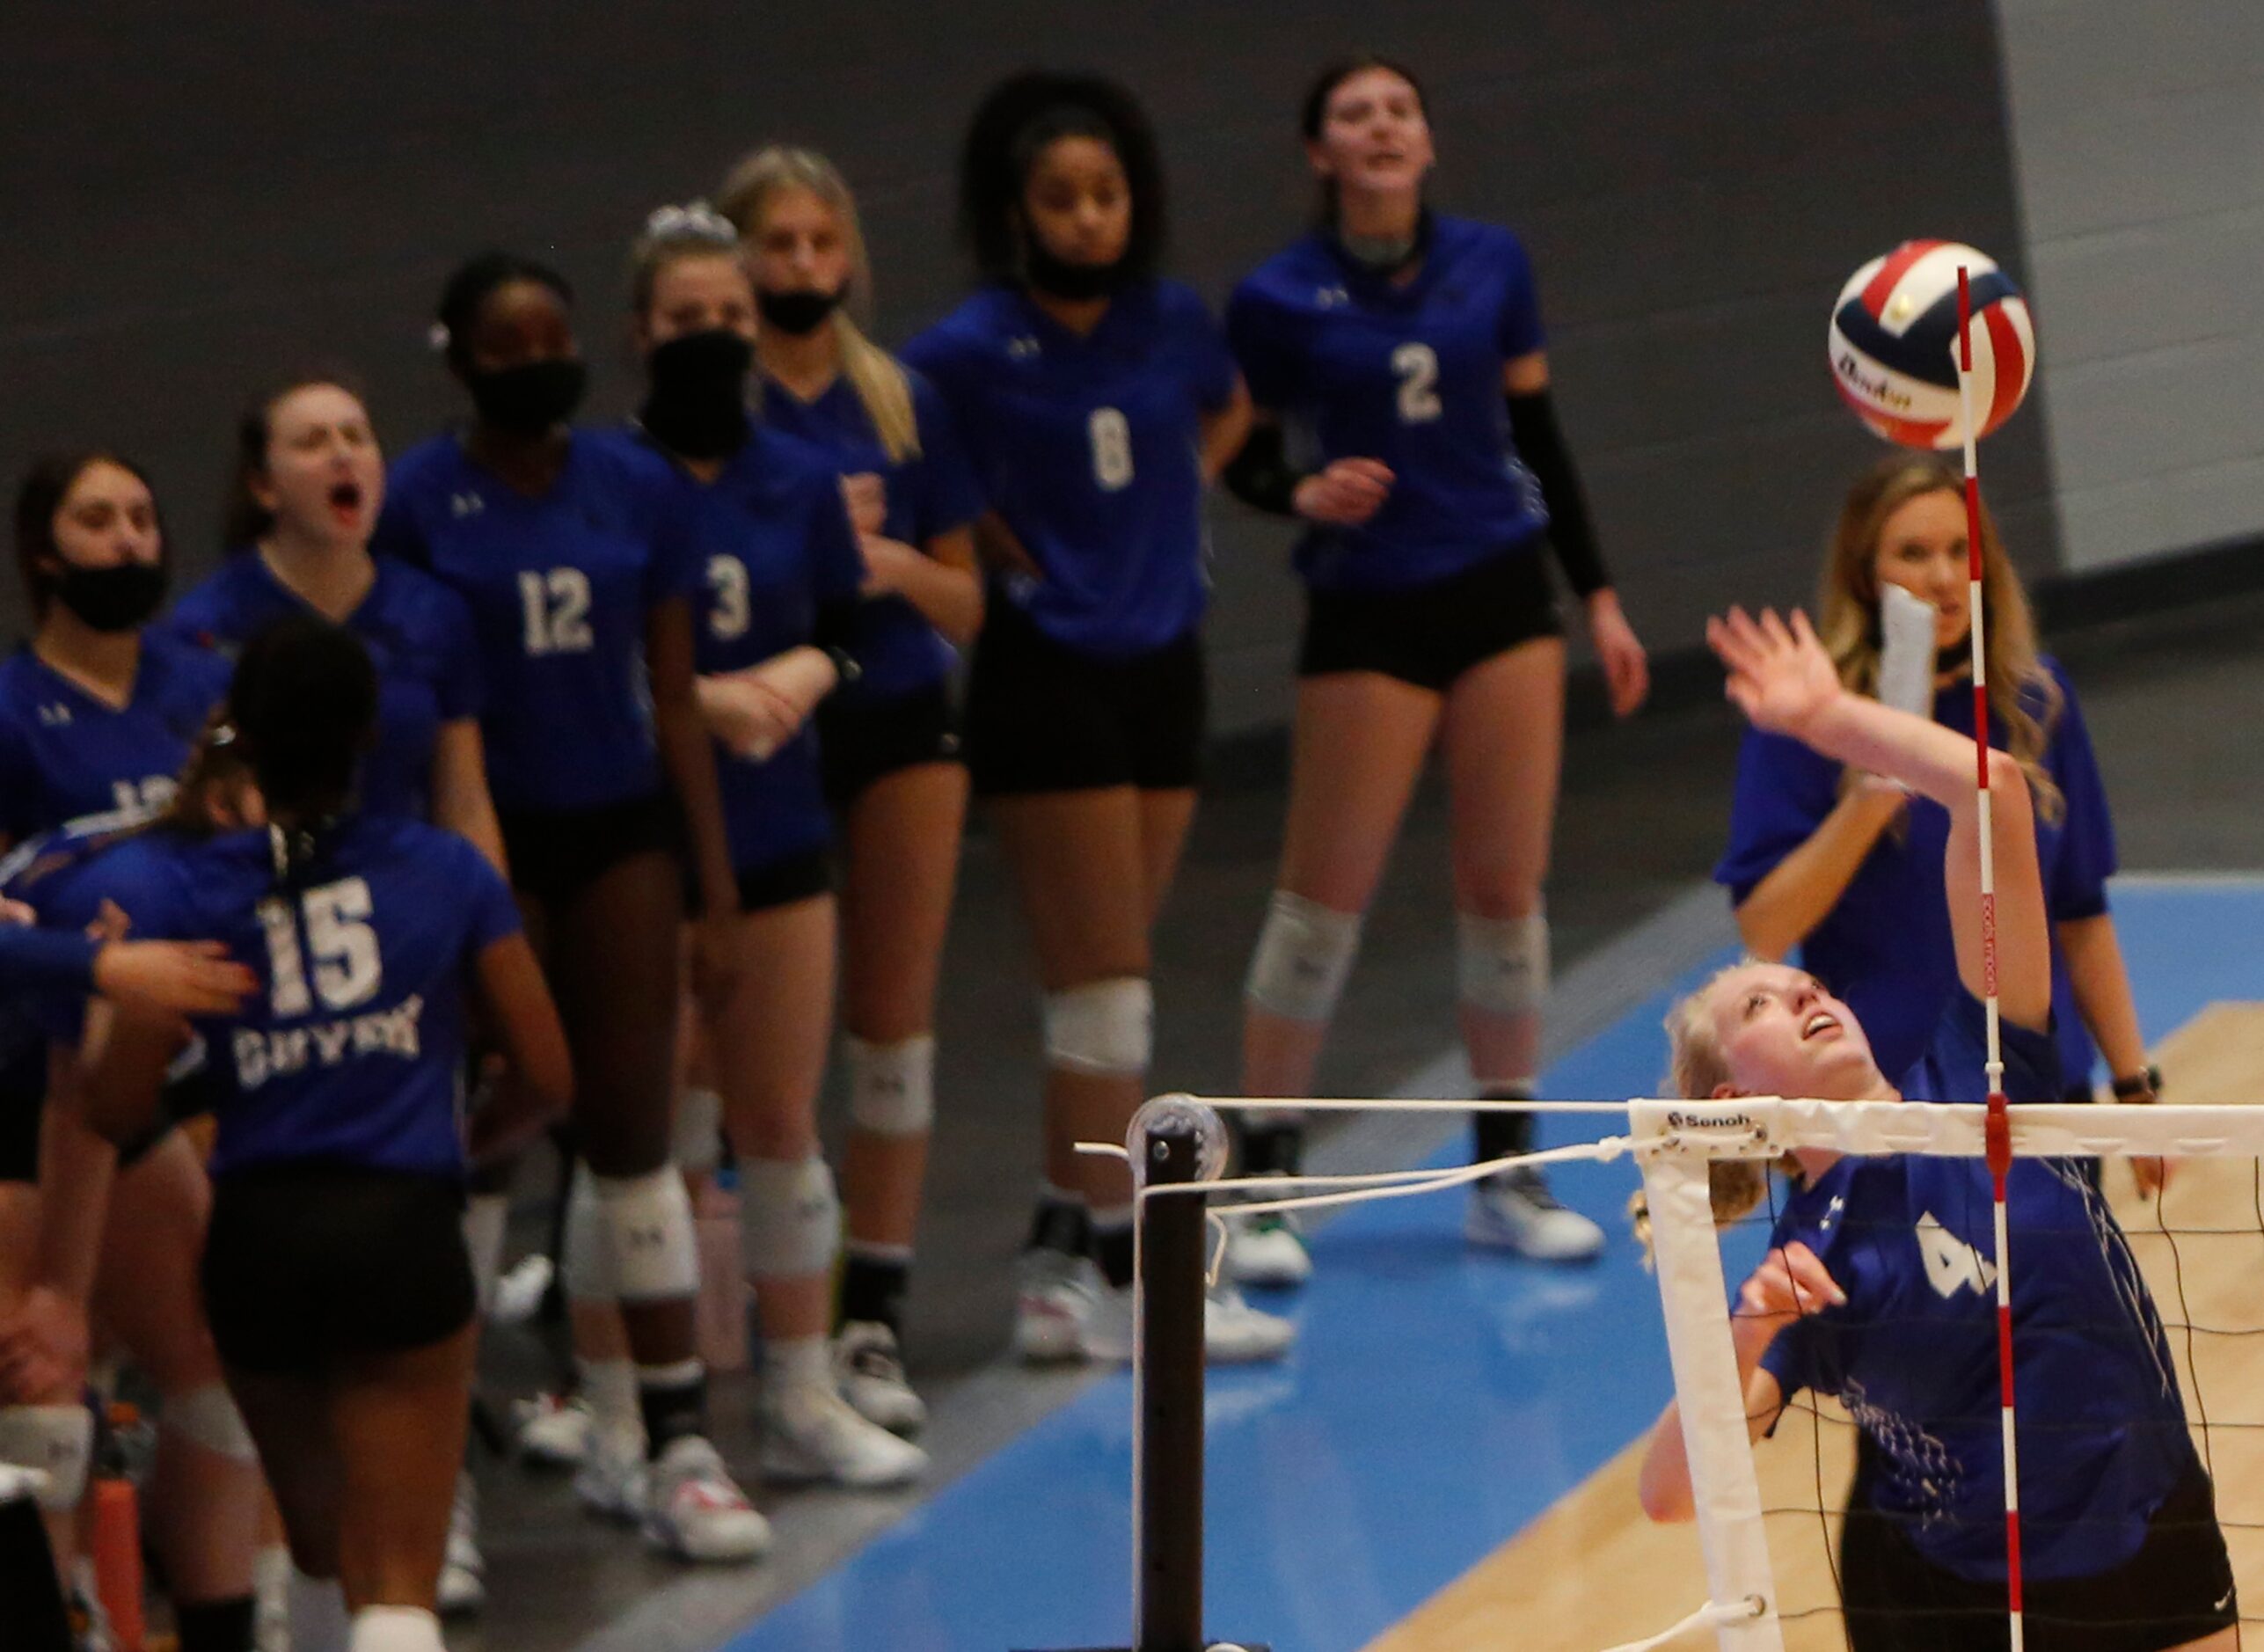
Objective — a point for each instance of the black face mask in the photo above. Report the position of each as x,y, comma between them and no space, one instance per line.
698,406
116,598
529,398
797,313
1061,279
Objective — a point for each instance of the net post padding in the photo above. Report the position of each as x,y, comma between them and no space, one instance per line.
1724,1487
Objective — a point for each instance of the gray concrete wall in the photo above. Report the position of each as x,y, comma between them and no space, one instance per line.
2138,134
200,196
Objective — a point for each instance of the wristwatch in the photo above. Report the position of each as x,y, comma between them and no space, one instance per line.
2145,1086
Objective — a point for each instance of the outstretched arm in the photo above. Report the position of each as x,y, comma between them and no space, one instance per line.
1780,678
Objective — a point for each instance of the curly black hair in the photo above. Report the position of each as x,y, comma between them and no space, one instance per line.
1012,126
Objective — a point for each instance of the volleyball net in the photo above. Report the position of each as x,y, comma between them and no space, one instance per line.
1771,1514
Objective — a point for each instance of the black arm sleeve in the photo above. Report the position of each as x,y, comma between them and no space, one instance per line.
1261,475
1533,427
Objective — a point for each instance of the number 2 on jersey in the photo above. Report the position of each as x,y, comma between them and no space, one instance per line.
345,947
1417,366
1112,448
556,605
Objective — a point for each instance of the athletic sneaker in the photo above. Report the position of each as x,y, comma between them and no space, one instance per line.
1053,1293
1266,1251
519,1294
552,1429
612,1477
696,1511
810,1432
870,1370
463,1571
1233,1331
1514,1210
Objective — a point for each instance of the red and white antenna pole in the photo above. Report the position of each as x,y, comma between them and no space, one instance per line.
1999,1132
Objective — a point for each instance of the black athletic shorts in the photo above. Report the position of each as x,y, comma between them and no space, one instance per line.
308,1263
862,740
1430,634
557,853
1042,717
23,1096
783,881
2177,1587
23,1106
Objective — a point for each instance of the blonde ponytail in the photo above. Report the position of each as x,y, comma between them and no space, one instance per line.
877,376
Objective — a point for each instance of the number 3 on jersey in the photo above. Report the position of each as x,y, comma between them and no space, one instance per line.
728,614
1416,366
1112,448
345,947
556,606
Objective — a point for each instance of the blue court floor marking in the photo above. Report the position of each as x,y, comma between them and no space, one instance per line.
1437,1402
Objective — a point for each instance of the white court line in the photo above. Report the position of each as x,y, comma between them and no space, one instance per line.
2139,881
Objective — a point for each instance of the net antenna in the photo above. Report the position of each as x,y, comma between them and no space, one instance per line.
1999,1129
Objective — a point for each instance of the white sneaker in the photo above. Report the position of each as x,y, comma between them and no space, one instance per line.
1054,1297
464,1570
696,1511
519,1294
1266,1251
810,1432
1233,1331
1514,1210
870,1371
613,1479
552,1429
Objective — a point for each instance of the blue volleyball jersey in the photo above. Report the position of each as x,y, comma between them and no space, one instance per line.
418,635
772,540
1090,448
352,1050
64,876
930,492
1912,1355
65,753
1885,948
559,588
48,972
1359,366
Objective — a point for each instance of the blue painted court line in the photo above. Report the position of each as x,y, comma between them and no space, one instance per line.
1437,1402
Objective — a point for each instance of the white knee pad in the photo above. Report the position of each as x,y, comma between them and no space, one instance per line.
892,1087
647,1222
789,1217
1305,955
207,1416
587,1251
698,1132
55,1442
1502,964
1103,1027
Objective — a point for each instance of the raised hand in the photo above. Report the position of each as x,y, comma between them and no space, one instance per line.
1780,675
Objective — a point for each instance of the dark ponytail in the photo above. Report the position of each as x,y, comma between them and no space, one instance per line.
303,705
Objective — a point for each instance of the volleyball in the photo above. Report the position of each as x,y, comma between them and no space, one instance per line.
1894,344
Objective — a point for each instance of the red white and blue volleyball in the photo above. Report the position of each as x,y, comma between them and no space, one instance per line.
1894,344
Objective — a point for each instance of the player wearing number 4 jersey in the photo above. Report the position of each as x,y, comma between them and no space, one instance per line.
1396,357
558,543
334,1269
1879,1286
1095,400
